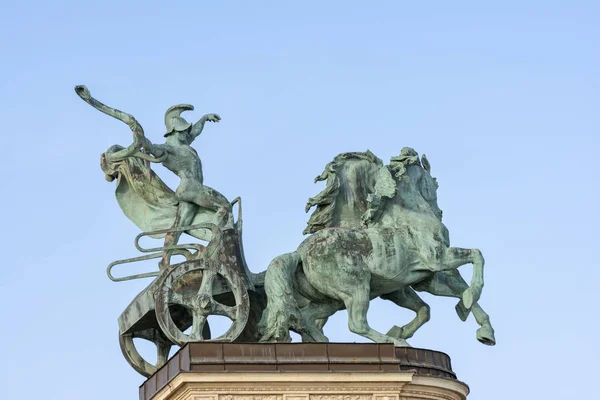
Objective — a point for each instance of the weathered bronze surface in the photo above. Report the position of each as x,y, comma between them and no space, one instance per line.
376,231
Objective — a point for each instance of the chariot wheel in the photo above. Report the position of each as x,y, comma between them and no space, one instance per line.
133,357
163,347
193,286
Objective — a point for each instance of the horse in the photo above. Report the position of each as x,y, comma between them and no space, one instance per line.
446,283
377,231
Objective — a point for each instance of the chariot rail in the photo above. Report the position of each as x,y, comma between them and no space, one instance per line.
180,249
157,252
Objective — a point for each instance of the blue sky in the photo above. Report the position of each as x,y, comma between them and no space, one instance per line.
504,99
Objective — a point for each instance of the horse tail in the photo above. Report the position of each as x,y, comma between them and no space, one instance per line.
282,312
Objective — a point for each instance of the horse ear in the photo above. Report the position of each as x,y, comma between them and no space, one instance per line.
425,163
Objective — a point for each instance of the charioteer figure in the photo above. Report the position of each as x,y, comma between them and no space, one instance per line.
182,159
144,197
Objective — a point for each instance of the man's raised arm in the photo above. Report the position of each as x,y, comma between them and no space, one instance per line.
139,139
199,126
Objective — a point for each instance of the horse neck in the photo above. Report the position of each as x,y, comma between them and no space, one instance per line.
357,181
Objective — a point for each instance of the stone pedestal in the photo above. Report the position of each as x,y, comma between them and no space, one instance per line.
304,371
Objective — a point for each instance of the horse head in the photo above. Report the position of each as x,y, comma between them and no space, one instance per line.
416,188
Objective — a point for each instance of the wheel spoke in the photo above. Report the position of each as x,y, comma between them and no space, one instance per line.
197,325
162,354
177,298
226,311
208,276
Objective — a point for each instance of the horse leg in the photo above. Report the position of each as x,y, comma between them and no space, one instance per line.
407,298
320,322
447,284
315,316
451,284
357,304
312,333
455,257
314,313
282,312
485,334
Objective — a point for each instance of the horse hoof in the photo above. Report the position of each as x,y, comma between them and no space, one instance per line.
485,335
462,311
398,333
401,343
395,332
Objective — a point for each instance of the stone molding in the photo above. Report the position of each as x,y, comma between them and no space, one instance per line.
310,386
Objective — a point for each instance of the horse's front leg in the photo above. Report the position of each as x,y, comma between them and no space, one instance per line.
455,257
357,302
451,284
407,298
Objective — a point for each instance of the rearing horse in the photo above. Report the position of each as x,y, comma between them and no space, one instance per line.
345,265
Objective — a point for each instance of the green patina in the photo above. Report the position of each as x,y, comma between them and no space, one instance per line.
376,231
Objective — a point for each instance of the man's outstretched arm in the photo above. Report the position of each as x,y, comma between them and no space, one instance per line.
199,126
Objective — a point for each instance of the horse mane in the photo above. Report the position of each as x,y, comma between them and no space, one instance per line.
406,158
351,178
361,190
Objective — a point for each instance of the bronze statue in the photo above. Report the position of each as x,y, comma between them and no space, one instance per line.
376,231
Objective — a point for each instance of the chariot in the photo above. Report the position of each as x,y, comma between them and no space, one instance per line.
173,309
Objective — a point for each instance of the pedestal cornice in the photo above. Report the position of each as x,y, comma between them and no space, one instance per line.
304,371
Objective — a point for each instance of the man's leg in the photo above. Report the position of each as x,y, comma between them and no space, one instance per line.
185,215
